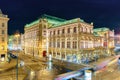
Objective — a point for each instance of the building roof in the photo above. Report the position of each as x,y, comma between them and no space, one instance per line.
54,21
68,22
95,34
101,29
32,23
50,19
97,30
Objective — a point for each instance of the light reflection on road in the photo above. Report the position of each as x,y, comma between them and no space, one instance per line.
46,72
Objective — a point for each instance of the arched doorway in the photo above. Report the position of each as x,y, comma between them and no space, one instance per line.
44,54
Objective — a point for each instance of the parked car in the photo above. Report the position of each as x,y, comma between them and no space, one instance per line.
10,55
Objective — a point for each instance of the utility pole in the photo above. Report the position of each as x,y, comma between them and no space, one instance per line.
17,41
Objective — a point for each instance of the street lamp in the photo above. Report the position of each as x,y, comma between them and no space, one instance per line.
17,40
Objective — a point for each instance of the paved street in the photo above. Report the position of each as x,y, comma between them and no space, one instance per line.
110,72
42,69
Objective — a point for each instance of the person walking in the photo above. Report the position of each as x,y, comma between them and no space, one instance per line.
119,63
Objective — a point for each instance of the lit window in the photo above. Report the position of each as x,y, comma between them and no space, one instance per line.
68,44
74,44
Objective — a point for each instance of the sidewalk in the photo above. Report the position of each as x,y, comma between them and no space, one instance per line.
71,65
4,66
99,61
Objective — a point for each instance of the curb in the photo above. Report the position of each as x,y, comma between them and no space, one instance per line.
6,69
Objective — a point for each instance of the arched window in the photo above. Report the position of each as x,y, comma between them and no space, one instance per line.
58,31
54,32
63,31
74,30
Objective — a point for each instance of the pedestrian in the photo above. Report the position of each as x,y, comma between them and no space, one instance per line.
119,63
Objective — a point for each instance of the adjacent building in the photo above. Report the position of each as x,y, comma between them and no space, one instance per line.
3,35
117,40
107,36
14,43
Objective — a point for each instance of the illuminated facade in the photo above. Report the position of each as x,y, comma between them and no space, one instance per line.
73,40
107,40
3,35
70,40
117,40
35,36
14,43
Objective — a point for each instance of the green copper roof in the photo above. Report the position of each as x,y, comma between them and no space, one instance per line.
101,29
52,18
55,21
97,30
32,23
95,34
68,22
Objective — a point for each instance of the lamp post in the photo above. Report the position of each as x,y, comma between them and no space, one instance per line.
17,38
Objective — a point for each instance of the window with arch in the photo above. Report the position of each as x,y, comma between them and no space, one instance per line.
50,33
68,44
54,32
58,31
63,31
74,29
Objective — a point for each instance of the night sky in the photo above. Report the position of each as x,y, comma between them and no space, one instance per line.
104,13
